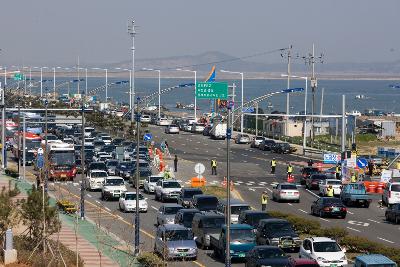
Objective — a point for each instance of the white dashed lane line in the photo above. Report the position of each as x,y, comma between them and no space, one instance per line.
373,221
107,208
383,239
324,219
349,212
89,195
303,211
154,208
290,204
269,189
97,201
353,229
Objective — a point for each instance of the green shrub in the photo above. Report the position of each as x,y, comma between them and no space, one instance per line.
150,259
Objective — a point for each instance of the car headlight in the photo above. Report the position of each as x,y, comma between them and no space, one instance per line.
231,251
186,202
171,250
321,259
274,241
343,258
207,237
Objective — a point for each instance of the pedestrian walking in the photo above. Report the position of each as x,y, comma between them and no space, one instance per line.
264,200
289,171
176,163
213,167
273,165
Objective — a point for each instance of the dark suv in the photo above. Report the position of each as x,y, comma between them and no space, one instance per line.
306,172
281,148
186,196
266,144
277,232
312,182
204,202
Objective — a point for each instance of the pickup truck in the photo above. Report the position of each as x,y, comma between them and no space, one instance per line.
355,194
242,241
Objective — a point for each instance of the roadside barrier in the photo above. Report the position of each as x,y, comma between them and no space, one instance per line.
224,183
198,181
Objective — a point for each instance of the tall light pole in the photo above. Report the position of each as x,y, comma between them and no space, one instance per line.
130,86
305,109
132,33
242,100
159,89
106,85
54,83
195,84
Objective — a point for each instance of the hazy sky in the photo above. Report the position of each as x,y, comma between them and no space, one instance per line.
49,31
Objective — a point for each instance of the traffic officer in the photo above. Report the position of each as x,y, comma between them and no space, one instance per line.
337,171
213,167
353,178
167,174
329,191
273,165
264,201
289,170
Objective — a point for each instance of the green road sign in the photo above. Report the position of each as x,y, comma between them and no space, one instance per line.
18,77
206,90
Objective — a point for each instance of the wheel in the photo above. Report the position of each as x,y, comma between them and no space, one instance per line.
162,199
387,217
156,196
344,217
321,214
366,205
312,211
397,220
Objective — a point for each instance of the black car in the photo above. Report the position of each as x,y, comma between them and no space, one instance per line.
392,213
185,217
266,256
117,141
281,148
207,129
204,202
277,232
266,144
252,217
186,196
306,172
329,206
312,182
108,148
97,166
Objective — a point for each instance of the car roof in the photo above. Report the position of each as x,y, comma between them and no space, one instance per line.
171,205
254,212
210,214
203,196
273,220
266,247
115,177
234,201
192,189
375,259
322,239
174,227
189,211
97,170
239,227
302,261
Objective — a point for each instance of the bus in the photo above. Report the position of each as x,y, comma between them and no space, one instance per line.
61,160
32,143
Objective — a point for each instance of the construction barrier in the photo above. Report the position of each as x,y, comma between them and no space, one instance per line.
198,181
374,187
379,188
161,168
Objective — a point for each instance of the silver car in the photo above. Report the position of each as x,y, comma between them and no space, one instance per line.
175,241
172,129
242,139
166,213
150,183
286,191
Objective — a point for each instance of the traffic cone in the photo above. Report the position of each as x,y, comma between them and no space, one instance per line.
231,186
224,182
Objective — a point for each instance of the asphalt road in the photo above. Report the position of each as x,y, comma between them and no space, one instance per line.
250,173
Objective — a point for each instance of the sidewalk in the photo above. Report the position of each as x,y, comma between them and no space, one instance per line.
95,247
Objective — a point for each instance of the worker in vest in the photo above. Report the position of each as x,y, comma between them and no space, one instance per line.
289,170
213,167
273,166
353,178
329,191
337,171
264,201
167,174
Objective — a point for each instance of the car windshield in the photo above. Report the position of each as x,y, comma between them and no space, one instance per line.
207,202
99,174
97,166
63,157
271,253
133,197
332,201
335,182
288,187
310,170
106,138
253,219
242,234
326,247
177,235
143,165
171,185
238,209
154,179
115,182
213,223
173,125
395,187
112,163
32,144
171,210
279,227
98,143
188,218
191,193
319,177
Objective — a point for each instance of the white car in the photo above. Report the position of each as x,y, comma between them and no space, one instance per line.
104,158
191,120
167,189
324,250
336,185
163,122
89,140
113,187
197,127
150,183
145,118
285,191
127,202
172,129
106,139
189,127
95,179
242,139
391,193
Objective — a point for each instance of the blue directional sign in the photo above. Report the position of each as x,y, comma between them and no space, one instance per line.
362,163
147,137
248,110
292,90
40,161
332,158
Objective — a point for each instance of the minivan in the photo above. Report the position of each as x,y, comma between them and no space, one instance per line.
237,207
391,193
205,224
204,202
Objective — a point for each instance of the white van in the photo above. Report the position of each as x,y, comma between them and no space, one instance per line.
391,193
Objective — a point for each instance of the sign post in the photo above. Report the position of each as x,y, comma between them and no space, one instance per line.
207,90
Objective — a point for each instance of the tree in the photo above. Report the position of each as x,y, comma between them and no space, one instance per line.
8,210
32,215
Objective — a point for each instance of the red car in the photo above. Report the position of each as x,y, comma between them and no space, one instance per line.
303,263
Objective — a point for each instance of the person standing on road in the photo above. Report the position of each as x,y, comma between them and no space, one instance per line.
337,171
289,170
213,167
273,166
264,201
353,178
176,163
310,163
329,191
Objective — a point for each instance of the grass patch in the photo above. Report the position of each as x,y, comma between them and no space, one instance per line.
218,191
366,138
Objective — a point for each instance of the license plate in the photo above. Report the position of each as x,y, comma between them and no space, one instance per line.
286,243
63,176
116,195
182,254
242,255
335,209
333,265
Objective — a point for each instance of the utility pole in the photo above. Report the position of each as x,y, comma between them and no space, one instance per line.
257,119
132,33
322,104
82,204
228,188
3,129
46,160
24,147
19,136
288,55
79,77
343,123
54,83
137,216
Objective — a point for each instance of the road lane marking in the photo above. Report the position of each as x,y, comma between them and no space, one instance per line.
373,221
312,193
290,204
252,189
324,219
353,229
303,211
97,201
89,195
107,208
154,208
245,155
349,212
383,239
358,223
269,189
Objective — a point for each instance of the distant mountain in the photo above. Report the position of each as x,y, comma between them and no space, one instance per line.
203,62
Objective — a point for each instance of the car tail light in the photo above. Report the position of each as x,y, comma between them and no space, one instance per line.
327,209
296,193
343,209
282,192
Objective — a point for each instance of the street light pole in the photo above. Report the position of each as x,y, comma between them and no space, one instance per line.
41,82
132,33
159,89
195,84
86,81
228,189
54,83
3,129
137,214
83,161
106,85
242,96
